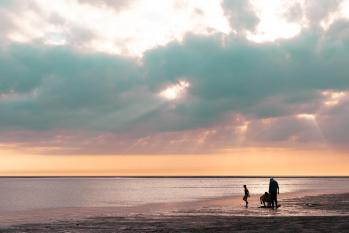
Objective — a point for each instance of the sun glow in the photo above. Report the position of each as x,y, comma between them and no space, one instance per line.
306,116
332,97
175,91
273,24
130,30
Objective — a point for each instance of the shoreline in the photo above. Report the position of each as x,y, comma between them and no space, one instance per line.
155,177
297,204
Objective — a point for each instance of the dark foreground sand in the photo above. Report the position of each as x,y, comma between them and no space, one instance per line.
198,222
194,224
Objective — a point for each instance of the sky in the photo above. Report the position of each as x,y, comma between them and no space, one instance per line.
174,87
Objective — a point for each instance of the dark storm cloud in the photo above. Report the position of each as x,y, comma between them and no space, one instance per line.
55,87
235,77
241,75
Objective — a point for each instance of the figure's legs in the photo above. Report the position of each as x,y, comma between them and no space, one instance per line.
276,201
273,199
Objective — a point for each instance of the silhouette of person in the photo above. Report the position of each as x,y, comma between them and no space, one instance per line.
265,198
247,195
273,191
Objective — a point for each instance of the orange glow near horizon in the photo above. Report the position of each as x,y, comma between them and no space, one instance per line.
236,162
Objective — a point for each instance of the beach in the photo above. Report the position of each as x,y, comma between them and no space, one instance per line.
171,205
316,213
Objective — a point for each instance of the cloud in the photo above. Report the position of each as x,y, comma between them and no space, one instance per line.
126,28
238,93
59,88
240,14
316,11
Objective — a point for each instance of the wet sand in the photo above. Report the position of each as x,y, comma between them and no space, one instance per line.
198,223
321,213
230,205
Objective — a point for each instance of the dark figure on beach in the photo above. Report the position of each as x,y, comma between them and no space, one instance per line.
247,195
273,191
265,199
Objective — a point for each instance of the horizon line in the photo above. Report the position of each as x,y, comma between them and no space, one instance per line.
79,176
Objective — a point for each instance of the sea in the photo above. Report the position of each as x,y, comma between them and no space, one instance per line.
18,193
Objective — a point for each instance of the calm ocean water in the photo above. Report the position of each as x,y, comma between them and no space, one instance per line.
33,193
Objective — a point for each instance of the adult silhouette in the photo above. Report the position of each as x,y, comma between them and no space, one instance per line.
274,191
